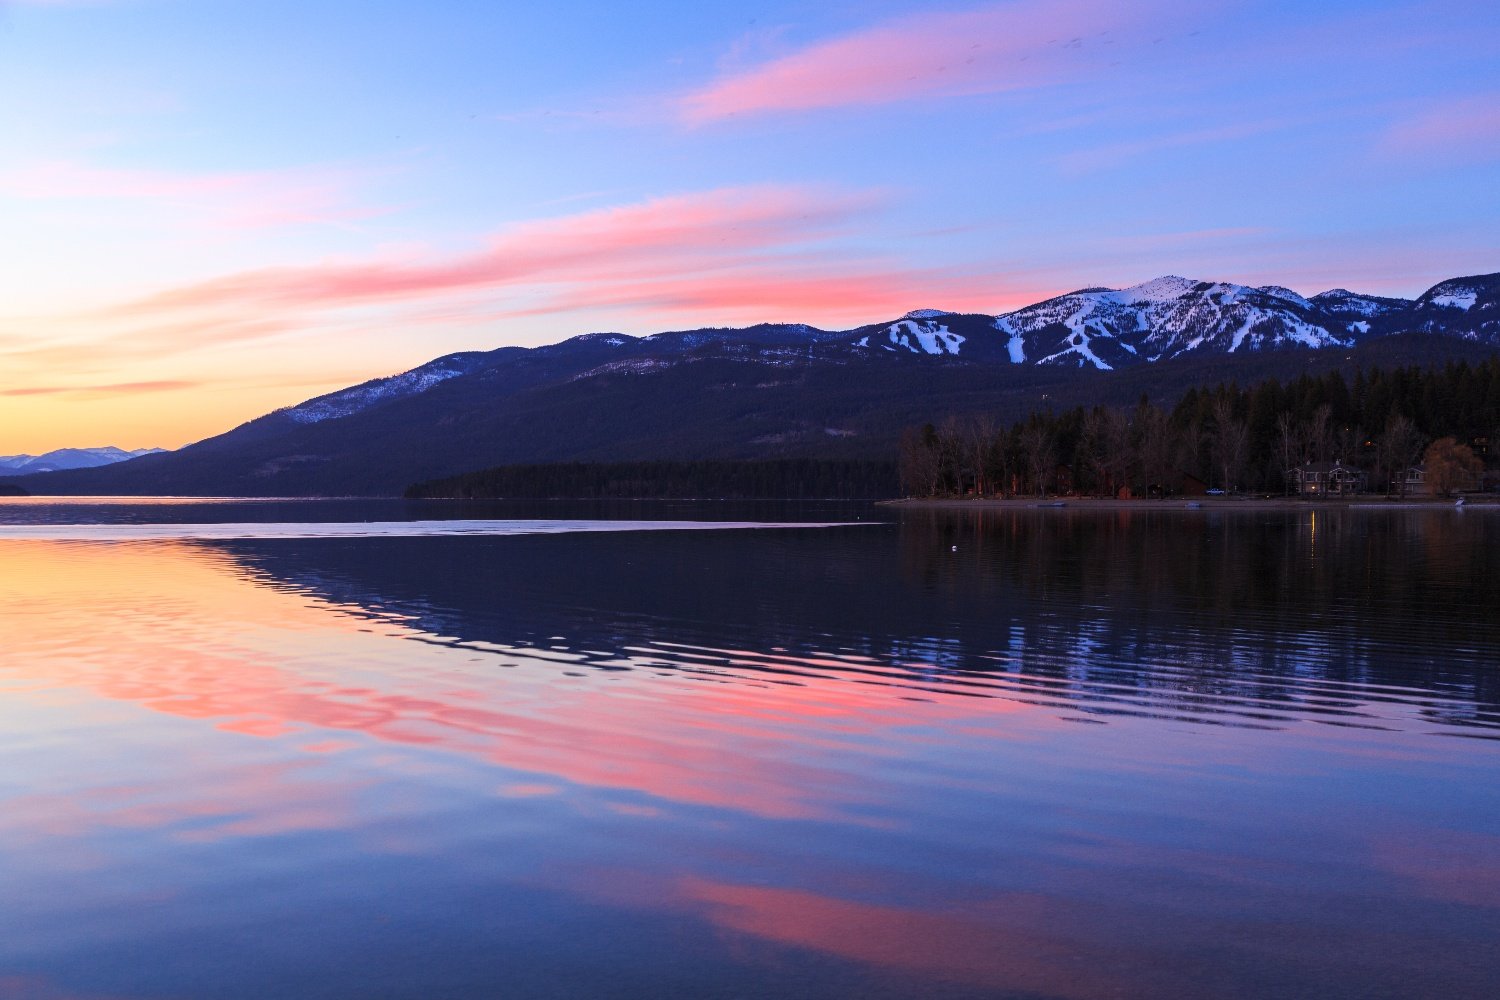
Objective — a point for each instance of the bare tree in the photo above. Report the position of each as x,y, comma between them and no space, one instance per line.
1041,454
1121,453
1105,448
1350,442
1398,448
1320,433
1231,440
918,463
979,432
1289,442
1156,446
951,455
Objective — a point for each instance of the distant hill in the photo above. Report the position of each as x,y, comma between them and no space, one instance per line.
69,458
778,391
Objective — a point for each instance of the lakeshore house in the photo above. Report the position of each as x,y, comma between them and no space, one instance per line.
1325,479
1416,484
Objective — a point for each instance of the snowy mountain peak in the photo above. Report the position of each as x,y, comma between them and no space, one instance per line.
927,313
1281,292
1349,305
1163,318
1468,307
1167,288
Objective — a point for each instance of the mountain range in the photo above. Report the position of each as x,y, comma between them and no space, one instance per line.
780,390
69,458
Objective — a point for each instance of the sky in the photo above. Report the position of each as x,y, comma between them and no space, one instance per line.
211,208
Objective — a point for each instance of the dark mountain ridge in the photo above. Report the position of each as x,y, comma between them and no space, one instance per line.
792,390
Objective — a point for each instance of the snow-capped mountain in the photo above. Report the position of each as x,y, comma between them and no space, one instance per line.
69,458
1098,328
789,389
1106,328
1461,307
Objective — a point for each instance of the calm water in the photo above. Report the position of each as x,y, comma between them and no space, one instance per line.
1028,754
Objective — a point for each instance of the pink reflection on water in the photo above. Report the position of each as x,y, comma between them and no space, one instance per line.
1001,944
222,663
1456,866
178,629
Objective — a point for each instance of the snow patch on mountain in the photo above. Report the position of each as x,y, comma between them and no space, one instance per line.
628,366
1079,339
1241,333
924,337
1016,345
361,397
1457,300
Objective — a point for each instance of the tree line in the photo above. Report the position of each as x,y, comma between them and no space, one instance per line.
791,479
1232,437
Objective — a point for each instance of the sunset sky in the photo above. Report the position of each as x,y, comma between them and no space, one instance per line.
212,208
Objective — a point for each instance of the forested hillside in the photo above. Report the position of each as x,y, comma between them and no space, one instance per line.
792,479
1238,438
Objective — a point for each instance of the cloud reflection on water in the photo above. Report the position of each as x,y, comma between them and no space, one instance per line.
533,713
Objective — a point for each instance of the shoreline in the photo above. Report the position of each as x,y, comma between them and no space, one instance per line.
1181,503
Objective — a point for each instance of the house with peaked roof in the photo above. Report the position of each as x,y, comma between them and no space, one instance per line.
1325,479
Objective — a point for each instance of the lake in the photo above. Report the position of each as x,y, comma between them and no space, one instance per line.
340,749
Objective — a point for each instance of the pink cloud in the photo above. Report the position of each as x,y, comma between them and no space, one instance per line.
731,255
751,253
857,294
991,49
1463,128
96,391
694,233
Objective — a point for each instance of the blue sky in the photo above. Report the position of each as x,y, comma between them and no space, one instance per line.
215,208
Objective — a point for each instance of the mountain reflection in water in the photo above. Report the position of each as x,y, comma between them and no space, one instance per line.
1026,753
1232,619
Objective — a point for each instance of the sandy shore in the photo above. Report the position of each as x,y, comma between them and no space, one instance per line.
1180,503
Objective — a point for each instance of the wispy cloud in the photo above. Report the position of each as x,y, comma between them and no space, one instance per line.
1461,128
642,241
223,200
992,49
101,391
1115,154
728,255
